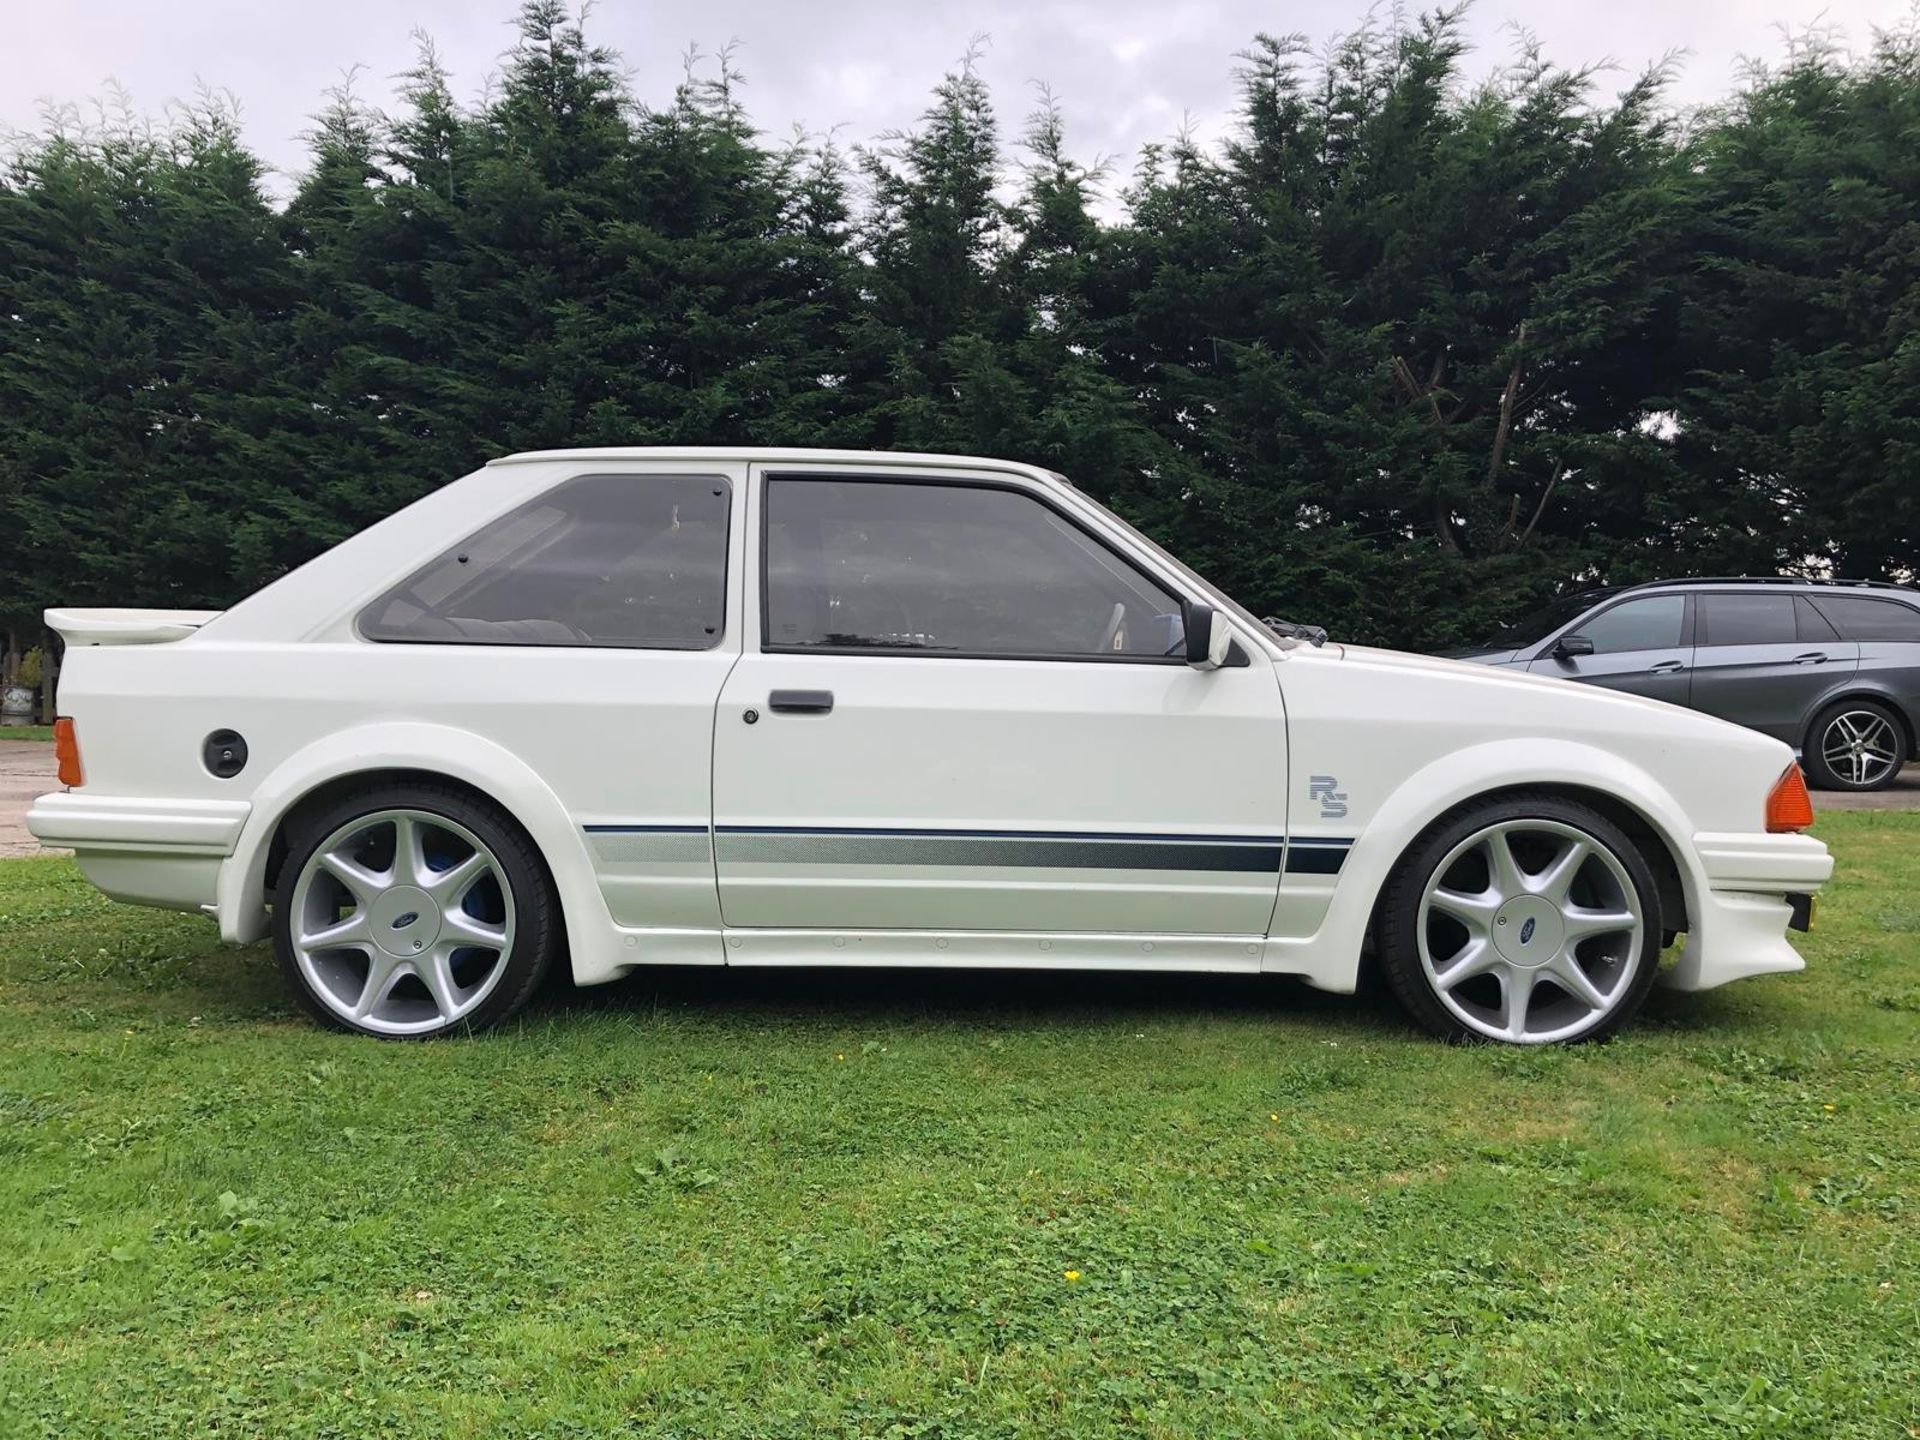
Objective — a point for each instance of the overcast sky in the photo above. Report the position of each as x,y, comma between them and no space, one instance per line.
1125,71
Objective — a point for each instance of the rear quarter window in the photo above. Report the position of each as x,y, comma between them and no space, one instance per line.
627,561
1858,617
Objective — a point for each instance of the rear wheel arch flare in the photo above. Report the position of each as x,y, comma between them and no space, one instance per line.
410,905
322,795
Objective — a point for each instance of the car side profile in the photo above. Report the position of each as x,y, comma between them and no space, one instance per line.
786,707
1830,667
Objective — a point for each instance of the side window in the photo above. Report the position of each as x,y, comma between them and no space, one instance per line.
1858,618
957,569
1654,623
1748,620
1808,622
635,561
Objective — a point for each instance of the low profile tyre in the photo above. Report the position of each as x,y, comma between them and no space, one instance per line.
1855,745
1528,920
412,911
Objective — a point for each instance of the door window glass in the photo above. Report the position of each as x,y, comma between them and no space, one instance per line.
1859,618
637,561
1809,623
1653,623
1748,620
956,569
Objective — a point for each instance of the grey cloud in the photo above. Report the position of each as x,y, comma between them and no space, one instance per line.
1126,71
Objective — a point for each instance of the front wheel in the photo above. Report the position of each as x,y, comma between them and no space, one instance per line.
1528,920
411,911
1855,745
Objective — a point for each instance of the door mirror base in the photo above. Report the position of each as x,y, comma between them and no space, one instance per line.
1209,637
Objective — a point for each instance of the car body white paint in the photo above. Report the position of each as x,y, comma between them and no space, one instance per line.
634,775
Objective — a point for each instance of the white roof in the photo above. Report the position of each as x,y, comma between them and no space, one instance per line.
764,454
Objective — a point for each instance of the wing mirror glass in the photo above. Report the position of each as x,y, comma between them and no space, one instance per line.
1208,635
1571,645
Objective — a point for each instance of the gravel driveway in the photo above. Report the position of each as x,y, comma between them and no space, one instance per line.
26,770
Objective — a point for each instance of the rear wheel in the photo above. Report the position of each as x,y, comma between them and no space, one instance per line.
412,911
1855,745
1528,920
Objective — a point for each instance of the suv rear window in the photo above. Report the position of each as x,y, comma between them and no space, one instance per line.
1858,618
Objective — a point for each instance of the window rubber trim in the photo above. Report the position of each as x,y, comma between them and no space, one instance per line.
768,476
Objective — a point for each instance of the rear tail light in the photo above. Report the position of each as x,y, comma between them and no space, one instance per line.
1789,807
66,751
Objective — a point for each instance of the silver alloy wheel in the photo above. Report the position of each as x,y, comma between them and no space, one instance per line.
402,922
1530,931
1860,747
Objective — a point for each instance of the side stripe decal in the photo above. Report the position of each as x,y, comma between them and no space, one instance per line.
1047,849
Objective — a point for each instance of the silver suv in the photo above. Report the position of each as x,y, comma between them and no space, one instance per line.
1832,667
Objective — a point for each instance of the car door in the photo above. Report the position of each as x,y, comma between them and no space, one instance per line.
962,710
1764,659
1641,645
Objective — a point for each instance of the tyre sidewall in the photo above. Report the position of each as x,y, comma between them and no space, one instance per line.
536,909
1813,753
1399,912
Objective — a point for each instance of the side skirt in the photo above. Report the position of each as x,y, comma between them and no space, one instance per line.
995,950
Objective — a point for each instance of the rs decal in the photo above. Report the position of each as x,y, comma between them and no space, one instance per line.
1326,791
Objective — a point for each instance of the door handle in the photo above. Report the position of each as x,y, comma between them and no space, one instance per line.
801,702
1666,667
1812,657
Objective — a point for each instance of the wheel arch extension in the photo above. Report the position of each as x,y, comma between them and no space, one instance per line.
428,754
327,791
1331,958
1654,846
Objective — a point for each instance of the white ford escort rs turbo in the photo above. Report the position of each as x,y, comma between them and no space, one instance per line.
771,707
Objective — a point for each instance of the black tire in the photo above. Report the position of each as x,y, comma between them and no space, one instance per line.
538,931
1822,776
1397,917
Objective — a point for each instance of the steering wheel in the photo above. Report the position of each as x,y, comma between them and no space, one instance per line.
1116,622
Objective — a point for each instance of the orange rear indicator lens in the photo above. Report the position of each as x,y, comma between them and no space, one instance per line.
66,751
1789,807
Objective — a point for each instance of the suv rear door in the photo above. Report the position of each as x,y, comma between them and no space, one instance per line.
1766,659
1887,630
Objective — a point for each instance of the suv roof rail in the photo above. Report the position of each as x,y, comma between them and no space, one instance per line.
1773,580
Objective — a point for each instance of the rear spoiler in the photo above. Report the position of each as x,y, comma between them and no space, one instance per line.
126,627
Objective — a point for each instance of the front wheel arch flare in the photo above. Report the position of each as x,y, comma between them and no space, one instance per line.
1393,917
1655,848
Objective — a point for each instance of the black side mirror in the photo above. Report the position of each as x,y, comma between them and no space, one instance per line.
1207,635
1568,646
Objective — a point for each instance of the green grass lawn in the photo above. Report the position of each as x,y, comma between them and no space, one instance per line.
738,1204
26,732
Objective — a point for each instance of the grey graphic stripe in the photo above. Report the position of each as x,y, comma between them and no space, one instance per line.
642,845
1086,852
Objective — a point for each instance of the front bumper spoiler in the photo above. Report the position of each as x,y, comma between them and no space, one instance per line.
1757,887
